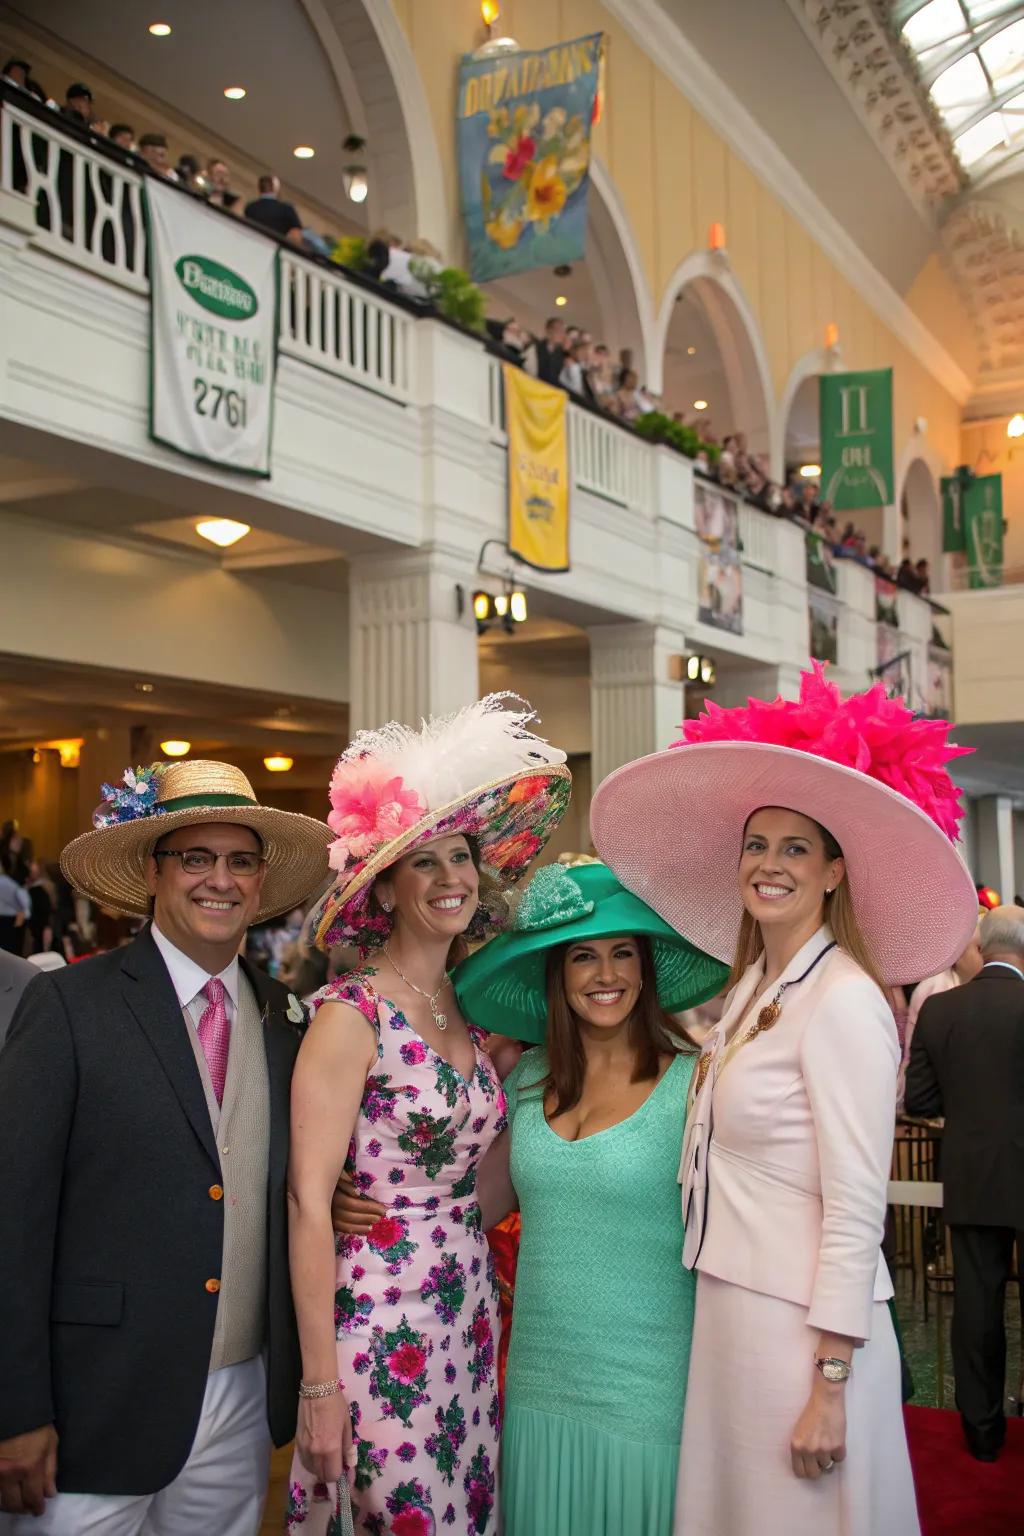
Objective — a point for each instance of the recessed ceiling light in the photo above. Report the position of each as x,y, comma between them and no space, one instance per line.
159,29
278,763
700,405
303,152
175,748
561,300
234,92
691,351
223,531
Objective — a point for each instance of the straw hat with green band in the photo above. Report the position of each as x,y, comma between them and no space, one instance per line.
109,863
502,986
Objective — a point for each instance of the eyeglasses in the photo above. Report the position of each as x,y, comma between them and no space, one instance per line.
200,861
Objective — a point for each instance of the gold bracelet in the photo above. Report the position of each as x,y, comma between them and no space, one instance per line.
319,1388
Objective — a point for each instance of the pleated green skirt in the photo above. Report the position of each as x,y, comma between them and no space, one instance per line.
563,1478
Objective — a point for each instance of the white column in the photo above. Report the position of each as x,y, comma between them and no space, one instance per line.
995,861
412,653
635,707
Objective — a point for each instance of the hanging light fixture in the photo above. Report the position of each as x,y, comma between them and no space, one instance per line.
1015,426
354,176
278,763
175,748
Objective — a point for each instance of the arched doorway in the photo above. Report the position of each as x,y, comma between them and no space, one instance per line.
921,516
712,350
606,293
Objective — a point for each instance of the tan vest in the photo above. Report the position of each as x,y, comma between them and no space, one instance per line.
242,1129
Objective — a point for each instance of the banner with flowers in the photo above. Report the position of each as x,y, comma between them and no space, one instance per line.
523,123
538,471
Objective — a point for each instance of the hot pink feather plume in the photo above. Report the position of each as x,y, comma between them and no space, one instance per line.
871,732
369,806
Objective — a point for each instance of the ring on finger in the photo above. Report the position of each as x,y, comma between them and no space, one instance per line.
828,1465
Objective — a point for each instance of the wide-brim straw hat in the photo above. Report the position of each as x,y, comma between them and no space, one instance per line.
109,863
502,986
671,826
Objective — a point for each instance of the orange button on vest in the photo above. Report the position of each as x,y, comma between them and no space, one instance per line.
213,1286
215,1192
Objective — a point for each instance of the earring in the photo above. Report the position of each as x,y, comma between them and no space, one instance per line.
828,890
387,906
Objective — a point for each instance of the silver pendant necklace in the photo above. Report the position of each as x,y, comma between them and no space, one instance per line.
440,1018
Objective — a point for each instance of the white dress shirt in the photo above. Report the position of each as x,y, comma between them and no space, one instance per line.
188,979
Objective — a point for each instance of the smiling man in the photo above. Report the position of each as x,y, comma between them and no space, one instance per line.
147,1341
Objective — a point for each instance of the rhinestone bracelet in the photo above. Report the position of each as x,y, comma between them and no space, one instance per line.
319,1388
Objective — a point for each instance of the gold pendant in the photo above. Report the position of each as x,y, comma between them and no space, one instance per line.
766,1018
440,1019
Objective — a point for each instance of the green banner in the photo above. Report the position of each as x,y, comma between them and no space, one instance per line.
856,439
983,531
952,514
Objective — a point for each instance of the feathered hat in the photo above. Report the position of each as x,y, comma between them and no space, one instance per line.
480,771
670,825
109,863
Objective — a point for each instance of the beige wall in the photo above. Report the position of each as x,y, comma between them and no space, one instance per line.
675,176
988,658
935,300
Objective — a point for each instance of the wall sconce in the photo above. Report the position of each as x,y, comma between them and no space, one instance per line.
175,748
278,763
490,10
831,335
1015,426
716,237
701,669
70,751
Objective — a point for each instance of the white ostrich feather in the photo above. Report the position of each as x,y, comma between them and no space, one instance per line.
452,755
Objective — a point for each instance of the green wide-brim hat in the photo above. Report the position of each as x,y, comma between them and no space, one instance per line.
501,988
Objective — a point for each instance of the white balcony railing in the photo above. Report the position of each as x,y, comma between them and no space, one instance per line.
346,330
88,207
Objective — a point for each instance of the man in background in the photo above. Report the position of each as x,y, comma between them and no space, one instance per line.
967,1063
272,212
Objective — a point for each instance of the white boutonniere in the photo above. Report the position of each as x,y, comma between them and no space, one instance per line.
296,1013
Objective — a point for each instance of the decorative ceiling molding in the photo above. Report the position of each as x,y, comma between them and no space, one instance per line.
657,35
984,248
878,76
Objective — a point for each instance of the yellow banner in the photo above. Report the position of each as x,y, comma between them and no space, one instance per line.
538,471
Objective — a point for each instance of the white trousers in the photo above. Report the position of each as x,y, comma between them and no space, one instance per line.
220,1489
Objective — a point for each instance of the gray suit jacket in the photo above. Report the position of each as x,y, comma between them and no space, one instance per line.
15,976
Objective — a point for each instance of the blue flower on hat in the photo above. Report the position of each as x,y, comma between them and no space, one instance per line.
551,899
135,796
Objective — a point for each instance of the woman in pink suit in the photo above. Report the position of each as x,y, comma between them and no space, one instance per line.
795,838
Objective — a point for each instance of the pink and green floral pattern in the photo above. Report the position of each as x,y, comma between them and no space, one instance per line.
415,1303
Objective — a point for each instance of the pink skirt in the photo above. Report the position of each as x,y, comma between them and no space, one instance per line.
750,1377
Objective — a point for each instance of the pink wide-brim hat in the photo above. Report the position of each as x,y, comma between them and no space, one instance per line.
671,826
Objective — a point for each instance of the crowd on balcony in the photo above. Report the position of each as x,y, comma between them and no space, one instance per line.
563,355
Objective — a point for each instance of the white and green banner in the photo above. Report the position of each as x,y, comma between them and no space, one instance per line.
856,439
213,333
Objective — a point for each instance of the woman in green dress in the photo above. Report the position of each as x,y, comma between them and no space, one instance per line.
603,1307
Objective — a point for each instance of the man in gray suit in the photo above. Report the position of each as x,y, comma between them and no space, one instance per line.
15,976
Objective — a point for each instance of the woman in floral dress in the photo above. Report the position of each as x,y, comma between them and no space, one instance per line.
399,1328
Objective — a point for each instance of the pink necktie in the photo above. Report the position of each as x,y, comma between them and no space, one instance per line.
215,1034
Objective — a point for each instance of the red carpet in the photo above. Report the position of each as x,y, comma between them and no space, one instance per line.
956,1495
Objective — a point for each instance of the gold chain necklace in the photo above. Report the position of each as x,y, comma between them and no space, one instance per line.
440,1019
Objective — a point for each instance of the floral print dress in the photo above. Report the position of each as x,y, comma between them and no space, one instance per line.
415,1306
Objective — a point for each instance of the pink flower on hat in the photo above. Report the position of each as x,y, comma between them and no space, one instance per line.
369,807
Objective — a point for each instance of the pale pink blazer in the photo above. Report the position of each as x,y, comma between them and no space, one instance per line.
788,1144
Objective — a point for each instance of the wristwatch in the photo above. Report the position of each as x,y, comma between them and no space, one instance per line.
831,1368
